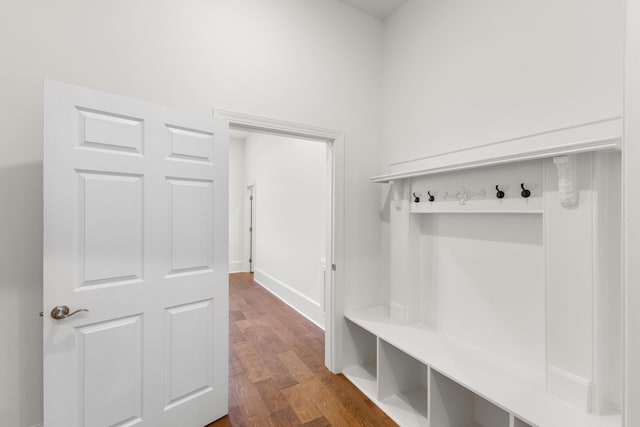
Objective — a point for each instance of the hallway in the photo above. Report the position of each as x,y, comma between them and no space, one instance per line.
277,375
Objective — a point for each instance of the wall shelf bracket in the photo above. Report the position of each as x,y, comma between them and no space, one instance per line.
396,192
567,186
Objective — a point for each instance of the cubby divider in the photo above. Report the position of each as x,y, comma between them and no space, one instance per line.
402,386
453,405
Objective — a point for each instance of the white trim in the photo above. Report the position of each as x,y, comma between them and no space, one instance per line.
237,266
598,182
630,211
570,388
537,135
295,299
334,292
545,239
268,125
593,136
398,312
606,218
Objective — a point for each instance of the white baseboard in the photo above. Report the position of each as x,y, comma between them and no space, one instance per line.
570,388
38,425
237,267
304,305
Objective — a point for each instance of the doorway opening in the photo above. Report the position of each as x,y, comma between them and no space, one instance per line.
279,234
333,218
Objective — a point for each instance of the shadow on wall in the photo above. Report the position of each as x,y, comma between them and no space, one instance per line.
21,294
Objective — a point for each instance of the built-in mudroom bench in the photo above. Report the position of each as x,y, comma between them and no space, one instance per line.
501,303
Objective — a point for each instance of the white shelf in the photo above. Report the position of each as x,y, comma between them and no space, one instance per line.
453,405
502,382
363,366
407,408
402,386
519,423
581,138
506,206
364,378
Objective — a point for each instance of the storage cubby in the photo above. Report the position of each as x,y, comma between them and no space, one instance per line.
361,350
453,405
517,422
402,386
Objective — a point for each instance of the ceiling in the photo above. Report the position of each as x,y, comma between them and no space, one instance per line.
378,8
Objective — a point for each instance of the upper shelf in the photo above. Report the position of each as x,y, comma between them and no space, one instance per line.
594,136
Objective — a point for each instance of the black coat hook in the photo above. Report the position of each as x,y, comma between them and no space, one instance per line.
416,198
499,193
524,193
431,198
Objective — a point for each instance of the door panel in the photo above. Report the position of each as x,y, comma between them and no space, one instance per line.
189,144
191,225
110,222
189,351
110,354
135,204
107,131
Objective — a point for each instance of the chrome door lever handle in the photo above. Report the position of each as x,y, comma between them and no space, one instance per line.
62,312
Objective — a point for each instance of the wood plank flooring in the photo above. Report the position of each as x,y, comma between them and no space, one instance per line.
277,375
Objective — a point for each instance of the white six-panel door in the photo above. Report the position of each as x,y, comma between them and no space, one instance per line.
135,231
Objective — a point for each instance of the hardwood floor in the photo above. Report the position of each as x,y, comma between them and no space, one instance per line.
277,375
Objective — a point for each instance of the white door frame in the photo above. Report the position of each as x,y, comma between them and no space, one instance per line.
334,284
631,212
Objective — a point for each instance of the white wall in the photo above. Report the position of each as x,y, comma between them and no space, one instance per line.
313,61
461,73
472,262
237,196
291,204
